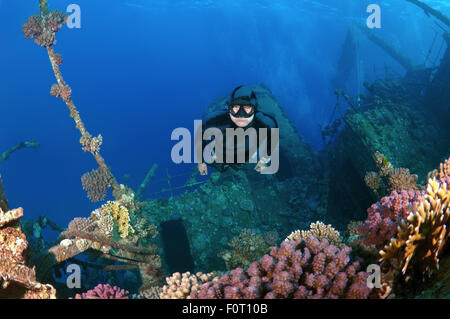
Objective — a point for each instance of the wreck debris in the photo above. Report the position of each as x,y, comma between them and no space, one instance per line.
388,48
429,10
16,278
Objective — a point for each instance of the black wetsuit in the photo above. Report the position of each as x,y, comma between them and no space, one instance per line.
221,120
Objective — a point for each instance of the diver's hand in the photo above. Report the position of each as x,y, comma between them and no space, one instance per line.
262,164
202,169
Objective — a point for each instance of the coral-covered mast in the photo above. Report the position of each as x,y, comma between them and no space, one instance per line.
42,28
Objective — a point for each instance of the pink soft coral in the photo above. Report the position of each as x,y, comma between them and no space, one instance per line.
102,291
301,269
384,216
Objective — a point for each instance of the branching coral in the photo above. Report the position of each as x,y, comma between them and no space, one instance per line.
373,181
103,221
17,280
297,269
320,231
180,286
120,217
444,170
400,179
422,236
42,28
443,173
150,293
145,229
397,179
96,183
246,248
102,291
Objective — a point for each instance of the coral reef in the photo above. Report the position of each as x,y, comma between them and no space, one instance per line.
105,232
218,211
17,280
352,228
104,221
96,183
373,181
320,231
394,119
421,238
247,247
385,216
301,269
102,291
409,226
396,179
150,293
400,179
120,217
180,286
42,28
439,285
443,173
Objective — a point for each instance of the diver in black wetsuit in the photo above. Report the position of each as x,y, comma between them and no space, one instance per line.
259,142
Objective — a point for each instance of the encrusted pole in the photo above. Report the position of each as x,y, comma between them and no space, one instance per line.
42,29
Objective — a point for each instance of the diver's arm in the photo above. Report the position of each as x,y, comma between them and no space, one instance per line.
270,143
268,122
213,120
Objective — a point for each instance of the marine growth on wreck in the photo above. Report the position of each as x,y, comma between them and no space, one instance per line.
372,198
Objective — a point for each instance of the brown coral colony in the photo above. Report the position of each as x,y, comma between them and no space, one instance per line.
42,29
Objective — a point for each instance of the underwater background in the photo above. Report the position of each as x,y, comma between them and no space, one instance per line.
139,69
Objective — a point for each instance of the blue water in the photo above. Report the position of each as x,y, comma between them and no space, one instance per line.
141,68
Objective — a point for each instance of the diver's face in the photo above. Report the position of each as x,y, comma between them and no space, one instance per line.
241,121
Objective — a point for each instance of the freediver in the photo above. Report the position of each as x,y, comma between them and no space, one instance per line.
243,112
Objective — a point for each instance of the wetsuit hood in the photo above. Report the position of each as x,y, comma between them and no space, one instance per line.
243,95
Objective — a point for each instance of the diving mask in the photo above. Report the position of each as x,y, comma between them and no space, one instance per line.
238,110
242,104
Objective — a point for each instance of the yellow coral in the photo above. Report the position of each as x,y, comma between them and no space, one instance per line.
422,237
120,216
